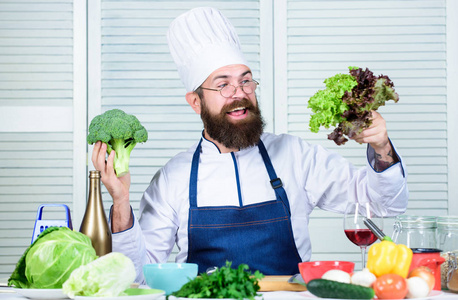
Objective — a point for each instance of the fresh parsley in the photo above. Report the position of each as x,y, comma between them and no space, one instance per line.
225,282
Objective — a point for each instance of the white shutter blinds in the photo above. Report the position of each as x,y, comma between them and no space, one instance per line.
36,98
139,76
405,40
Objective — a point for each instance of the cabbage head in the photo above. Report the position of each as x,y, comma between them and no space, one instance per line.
49,261
107,276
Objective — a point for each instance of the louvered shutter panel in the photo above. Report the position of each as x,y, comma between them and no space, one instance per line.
36,138
139,76
405,40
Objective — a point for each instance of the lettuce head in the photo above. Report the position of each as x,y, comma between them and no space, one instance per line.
108,276
348,101
49,261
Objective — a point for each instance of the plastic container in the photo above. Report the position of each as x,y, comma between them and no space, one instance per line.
415,231
169,277
315,269
431,258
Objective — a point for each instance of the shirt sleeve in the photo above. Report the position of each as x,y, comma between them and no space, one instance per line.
130,242
331,181
152,236
389,186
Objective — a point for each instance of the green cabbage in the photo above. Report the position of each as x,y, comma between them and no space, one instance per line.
108,276
49,261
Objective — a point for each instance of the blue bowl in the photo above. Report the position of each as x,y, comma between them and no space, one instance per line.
169,277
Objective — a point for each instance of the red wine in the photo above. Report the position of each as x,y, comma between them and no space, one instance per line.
360,237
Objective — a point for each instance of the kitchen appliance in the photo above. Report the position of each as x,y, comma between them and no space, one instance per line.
431,258
41,224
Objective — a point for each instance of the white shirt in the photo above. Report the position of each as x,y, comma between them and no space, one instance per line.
311,175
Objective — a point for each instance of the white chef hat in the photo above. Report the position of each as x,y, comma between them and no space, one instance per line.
201,41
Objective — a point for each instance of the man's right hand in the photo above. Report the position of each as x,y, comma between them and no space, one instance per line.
118,187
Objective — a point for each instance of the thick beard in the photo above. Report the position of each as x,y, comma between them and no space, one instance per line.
239,135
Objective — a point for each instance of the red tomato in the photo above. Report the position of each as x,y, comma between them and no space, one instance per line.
390,286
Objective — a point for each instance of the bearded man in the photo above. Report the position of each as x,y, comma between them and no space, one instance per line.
240,194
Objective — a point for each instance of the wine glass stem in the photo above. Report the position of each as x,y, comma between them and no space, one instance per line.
363,255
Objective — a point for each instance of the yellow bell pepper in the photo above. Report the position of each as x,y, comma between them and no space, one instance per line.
388,258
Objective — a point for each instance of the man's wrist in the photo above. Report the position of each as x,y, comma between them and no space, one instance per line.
384,157
121,218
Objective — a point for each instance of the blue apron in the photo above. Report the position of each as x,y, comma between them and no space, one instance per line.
259,235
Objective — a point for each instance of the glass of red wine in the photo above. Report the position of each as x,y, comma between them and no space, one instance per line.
355,229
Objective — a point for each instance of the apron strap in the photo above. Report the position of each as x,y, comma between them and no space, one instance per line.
276,182
193,180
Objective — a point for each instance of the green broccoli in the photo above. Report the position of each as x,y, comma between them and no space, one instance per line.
121,132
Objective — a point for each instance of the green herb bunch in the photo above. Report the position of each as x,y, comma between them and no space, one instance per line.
225,282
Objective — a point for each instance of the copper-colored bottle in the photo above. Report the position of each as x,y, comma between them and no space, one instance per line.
94,223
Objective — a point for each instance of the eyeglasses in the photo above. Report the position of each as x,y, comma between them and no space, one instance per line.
248,87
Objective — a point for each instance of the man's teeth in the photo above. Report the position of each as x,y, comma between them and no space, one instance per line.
238,108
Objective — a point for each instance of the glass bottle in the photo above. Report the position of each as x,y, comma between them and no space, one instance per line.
94,223
415,231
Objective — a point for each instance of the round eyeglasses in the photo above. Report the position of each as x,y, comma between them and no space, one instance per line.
248,87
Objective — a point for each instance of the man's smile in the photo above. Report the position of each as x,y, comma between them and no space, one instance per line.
238,112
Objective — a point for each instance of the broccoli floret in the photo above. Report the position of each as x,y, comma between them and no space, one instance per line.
121,132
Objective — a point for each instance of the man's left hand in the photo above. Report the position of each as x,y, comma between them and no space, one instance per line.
377,136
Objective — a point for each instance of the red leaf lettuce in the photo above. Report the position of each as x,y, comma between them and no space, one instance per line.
348,102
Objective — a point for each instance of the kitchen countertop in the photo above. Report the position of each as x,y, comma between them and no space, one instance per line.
8,293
